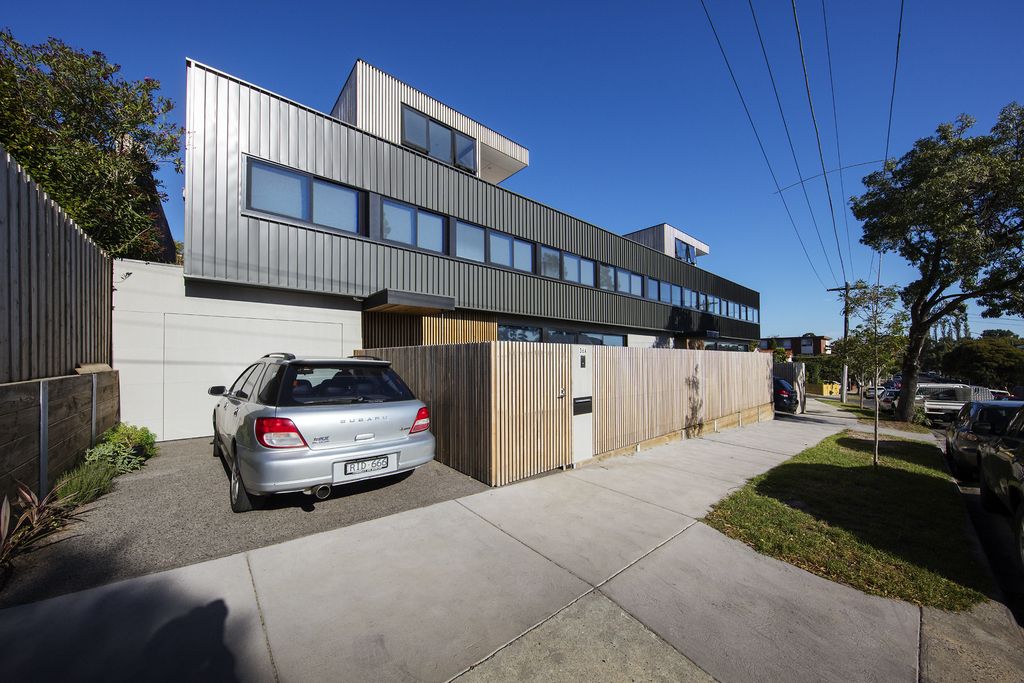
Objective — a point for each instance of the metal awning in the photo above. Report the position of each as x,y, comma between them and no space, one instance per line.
397,301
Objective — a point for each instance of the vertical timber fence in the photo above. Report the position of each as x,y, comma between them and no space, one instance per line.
55,316
502,411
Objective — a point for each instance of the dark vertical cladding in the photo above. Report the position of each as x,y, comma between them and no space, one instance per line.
229,121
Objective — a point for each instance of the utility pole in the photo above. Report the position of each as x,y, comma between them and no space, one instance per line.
845,289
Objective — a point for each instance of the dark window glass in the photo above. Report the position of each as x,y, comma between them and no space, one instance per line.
341,383
677,295
559,336
680,249
636,284
248,389
469,242
614,340
593,338
335,206
571,268
622,281
237,386
666,293
270,385
523,256
440,141
587,272
429,231
518,333
703,302
465,151
501,249
550,262
652,288
605,277
279,191
399,223
414,128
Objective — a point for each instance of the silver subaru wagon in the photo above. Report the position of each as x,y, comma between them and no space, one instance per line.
289,424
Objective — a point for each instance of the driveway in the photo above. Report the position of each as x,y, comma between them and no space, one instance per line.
175,512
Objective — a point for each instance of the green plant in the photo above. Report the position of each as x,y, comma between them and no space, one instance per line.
120,456
138,438
87,482
36,520
919,417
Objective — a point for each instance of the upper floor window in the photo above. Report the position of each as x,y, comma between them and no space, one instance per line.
293,194
652,288
510,252
409,225
437,140
469,242
550,262
605,276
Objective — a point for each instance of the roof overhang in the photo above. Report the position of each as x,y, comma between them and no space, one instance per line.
397,301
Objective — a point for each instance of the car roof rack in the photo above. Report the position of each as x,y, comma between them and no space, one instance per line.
280,354
366,357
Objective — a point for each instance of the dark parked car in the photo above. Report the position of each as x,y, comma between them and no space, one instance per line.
1001,475
785,396
961,438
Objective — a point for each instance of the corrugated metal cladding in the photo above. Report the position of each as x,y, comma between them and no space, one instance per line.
377,108
228,119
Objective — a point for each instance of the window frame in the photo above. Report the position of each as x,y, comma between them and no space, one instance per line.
453,142
310,179
416,211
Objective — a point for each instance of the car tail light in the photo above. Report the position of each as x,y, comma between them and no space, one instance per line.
422,422
278,432
781,392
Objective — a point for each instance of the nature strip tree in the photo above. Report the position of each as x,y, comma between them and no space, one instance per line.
90,138
991,362
952,207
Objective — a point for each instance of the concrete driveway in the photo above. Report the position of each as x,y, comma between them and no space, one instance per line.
175,512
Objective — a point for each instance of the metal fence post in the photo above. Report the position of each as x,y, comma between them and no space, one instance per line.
44,436
92,438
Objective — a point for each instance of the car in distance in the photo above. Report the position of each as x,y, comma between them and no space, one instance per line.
1001,478
289,424
869,392
785,396
888,398
1000,395
962,440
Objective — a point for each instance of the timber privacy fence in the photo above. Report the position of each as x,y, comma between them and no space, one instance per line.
55,316
502,411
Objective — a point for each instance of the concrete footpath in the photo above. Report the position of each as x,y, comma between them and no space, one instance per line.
600,573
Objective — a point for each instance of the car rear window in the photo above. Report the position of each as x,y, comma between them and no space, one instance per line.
341,383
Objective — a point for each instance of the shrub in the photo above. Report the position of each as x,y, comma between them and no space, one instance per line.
919,417
33,521
87,482
138,438
124,447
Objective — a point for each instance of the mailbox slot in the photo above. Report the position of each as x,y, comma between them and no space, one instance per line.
583,405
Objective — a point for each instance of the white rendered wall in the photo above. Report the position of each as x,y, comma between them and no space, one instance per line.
170,347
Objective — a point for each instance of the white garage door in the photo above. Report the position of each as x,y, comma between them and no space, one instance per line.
201,351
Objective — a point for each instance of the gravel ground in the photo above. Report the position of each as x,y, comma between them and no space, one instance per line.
175,511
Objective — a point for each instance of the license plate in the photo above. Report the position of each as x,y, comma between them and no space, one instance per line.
366,465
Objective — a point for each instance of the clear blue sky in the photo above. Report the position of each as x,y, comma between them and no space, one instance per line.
626,108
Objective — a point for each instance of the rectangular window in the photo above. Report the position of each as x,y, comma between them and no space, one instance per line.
522,254
592,338
703,301
518,333
399,223
636,284
550,262
622,281
605,277
586,272
469,242
570,268
335,206
757,315
653,287
430,231
501,249
552,336
414,129
677,295
279,191
439,141
465,152
614,340
666,293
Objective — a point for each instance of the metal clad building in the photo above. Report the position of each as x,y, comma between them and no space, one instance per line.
232,124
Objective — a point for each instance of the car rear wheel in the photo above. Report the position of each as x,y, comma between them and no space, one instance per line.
241,500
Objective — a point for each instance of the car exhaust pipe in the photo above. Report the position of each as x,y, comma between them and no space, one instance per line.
322,492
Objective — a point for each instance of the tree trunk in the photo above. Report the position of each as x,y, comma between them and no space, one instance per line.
911,367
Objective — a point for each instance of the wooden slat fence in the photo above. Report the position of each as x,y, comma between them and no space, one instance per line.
55,305
497,415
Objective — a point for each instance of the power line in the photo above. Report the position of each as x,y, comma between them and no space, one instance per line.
760,144
789,138
835,119
892,100
834,170
817,137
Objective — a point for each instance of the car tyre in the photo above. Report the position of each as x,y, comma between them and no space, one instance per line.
241,500
989,502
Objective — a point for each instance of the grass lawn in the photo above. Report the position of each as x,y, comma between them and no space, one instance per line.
899,530
867,416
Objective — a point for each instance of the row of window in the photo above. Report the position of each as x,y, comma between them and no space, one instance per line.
437,140
555,336
293,194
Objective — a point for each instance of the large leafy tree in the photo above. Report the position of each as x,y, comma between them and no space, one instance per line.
90,138
952,207
989,362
